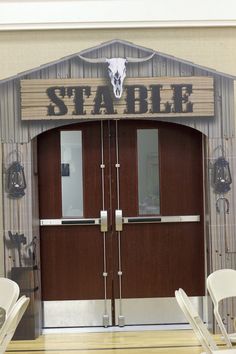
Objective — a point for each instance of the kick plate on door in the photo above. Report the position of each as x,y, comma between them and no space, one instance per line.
154,311
76,313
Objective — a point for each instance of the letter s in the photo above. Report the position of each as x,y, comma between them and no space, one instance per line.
51,92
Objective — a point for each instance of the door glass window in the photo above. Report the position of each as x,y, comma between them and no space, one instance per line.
148,172
71,173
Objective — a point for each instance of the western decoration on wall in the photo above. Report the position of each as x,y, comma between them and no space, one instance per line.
142,98
117,70
221,175
27,255
221,181
16,182
17,240
226,204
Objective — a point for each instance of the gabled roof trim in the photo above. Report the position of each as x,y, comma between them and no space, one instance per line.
117,41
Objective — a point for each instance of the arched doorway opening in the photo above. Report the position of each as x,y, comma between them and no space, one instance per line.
122,222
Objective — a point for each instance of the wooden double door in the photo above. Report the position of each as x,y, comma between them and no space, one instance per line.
121,209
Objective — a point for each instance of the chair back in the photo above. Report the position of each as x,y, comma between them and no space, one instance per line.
221,284
9,293
9,327
196,322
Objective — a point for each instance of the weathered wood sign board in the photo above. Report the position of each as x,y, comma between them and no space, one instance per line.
93,98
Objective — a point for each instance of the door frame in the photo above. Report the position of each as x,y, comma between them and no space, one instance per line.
201,306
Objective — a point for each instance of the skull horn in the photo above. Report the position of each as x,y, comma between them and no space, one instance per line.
139,60
93,60
103,60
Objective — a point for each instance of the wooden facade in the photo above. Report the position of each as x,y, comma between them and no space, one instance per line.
19,143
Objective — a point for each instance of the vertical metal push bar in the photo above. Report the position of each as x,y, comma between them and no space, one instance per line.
118,216
104,228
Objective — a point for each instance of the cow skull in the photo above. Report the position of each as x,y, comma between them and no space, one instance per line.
117,70
117,73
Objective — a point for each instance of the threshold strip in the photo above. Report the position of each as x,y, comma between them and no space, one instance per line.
97,349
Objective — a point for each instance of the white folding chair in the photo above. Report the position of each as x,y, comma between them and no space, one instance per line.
198,326
9,293
9,327
221,285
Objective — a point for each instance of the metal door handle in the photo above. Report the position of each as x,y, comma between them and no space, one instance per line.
160,219
103,221
119,220
65,222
